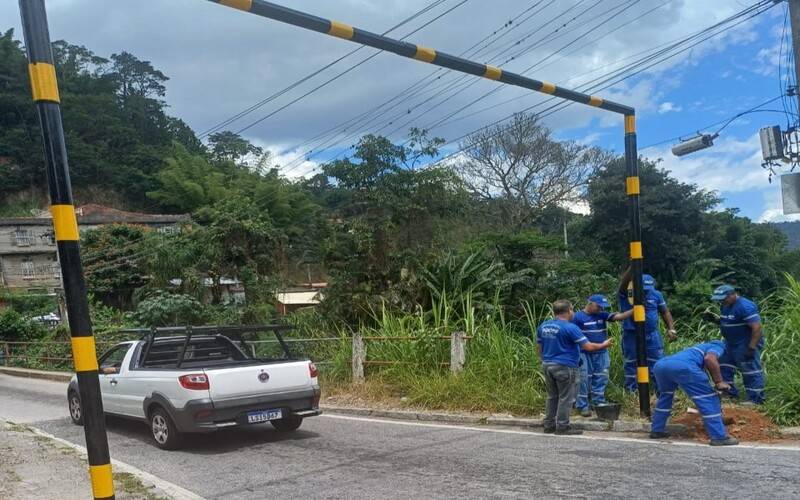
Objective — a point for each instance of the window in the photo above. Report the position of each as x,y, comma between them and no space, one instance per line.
23,238
28,270
111,361
168,230
55,269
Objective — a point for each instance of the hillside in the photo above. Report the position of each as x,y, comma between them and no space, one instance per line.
792,231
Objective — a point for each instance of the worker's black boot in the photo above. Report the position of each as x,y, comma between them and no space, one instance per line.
728,441
568,431
659,435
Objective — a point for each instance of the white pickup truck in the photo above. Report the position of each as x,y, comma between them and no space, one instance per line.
200,383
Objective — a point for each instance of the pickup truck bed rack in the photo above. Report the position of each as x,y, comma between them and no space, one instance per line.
182,336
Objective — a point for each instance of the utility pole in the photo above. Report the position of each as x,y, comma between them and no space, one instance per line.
794,17
44,88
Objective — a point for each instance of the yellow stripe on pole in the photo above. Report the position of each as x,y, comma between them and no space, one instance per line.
642,375
65,223
630,124
238,4
638,314
636,250
102,481
548,88
426,54
43,82
84,354
493,72
341,30
632,186
595,101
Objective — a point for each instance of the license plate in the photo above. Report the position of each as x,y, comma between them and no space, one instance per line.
255,417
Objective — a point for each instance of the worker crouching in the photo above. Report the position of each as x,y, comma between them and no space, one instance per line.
687,370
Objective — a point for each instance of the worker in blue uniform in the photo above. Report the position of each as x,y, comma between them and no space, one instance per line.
593,321
655,305
740,324
560,342
687,370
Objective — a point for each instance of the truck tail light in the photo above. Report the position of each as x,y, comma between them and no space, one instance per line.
312,370
194,381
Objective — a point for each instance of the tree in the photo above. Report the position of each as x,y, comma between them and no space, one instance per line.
672,217
137,78
520,165
228,146
188,182
112,265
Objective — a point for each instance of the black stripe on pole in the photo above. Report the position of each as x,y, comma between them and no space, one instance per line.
44,89
632,191
405,49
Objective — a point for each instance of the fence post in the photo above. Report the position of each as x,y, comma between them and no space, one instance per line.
458,351
359,355
7,351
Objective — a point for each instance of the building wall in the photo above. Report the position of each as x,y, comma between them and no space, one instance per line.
26,239
34,270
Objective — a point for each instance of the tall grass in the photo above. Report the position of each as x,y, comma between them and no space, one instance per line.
502,368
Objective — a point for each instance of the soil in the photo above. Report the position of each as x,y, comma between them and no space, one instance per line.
745,424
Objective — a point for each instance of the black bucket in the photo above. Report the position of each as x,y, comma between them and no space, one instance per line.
608,411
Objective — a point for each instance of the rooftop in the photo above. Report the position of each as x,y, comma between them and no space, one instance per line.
91,214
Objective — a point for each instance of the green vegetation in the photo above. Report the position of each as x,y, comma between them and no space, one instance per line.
409,247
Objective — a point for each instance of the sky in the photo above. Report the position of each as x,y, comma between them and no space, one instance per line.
221,61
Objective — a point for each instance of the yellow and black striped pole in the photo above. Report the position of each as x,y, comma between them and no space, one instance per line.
437,58
633,190
45,93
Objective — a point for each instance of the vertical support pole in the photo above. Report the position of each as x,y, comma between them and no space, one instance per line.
458,352
632,189
45,93
359,355
794,18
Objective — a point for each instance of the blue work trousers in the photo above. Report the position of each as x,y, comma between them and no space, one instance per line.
594,379
655,351
735,358
674,373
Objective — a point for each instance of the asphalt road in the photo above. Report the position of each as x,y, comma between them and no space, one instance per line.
343,457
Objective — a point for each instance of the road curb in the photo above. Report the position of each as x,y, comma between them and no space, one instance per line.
38,374
455,418
173,490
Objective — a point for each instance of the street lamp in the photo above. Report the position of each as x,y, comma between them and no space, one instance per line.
702,141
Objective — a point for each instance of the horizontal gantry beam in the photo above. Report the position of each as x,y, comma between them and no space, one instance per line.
418,52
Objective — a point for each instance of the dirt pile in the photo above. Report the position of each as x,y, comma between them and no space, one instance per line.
745,424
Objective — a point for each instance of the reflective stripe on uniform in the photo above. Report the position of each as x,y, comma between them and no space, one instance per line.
704,396
664,410
712,416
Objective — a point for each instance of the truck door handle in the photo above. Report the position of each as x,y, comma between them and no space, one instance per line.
113,381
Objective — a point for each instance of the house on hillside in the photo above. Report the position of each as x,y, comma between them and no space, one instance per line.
28,252
292,299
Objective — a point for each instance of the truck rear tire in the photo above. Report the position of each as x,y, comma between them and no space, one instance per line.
287,424
163,430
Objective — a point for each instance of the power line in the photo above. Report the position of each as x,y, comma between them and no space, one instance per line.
311,75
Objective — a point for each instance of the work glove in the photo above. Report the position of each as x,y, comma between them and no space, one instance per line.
672,335
722,387
710,317
750,353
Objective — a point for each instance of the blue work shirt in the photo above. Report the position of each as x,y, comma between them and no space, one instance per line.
696,354
735,321
560,341
593,326
653,303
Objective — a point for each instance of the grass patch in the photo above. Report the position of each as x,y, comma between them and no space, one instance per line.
130,484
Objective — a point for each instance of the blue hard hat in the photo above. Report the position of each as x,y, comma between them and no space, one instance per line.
721,292
649,282
600,300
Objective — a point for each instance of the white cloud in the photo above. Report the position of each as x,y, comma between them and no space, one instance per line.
667,107
773,203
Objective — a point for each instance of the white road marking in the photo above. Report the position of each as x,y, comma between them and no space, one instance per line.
592,437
